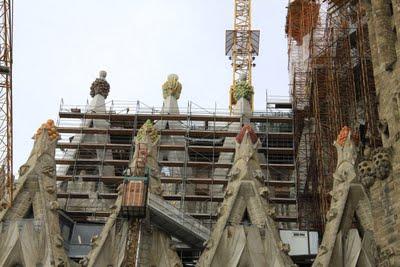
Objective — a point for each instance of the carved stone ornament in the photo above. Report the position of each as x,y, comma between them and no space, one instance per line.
243,89
172,87
147,130
100,86
382,163
366,173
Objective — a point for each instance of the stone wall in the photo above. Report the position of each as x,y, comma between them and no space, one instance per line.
383,24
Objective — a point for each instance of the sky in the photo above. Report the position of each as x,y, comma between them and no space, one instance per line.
60,46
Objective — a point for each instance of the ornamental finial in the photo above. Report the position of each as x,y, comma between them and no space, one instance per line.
100,86
172,87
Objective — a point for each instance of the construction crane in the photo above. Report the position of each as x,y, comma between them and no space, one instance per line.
242,45
6,118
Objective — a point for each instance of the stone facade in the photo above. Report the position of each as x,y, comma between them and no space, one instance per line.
383,23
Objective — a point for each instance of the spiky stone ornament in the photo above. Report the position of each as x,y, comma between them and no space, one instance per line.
243,89
147,129
172,87
100,85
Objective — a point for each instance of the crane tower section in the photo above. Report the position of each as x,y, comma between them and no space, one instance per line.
242,45
6,119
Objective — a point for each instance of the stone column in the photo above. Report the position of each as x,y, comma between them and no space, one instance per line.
385,36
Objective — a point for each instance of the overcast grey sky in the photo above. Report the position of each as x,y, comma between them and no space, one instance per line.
60,45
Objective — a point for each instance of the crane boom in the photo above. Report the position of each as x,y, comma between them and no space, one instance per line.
6,118
242,45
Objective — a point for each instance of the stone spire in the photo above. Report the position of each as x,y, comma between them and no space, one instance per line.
245,233
100,85
172,87
38,241
155,247
342,244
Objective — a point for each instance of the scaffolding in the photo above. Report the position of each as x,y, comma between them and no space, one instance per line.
302,19
333,88
203,132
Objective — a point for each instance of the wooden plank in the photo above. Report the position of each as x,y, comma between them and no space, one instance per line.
86,195
173,147
190,164
113,162
275,200
171,117
92,178
194,198
65,145
199,216
205,216
165,180
177,180
144,117
207,164
169,132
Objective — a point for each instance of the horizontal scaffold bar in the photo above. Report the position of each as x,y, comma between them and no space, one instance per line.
171,117
172,147
166,180
83,215
275,200
277,218
166,163
169,132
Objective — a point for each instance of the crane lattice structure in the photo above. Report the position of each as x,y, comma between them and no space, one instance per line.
6,119
242,45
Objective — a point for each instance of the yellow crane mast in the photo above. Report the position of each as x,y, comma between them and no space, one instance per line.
242,45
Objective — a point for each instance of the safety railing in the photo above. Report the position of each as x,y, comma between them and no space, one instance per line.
137,107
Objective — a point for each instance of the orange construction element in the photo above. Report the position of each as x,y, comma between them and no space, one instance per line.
134,194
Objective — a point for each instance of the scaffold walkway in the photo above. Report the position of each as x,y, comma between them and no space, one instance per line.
177,223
